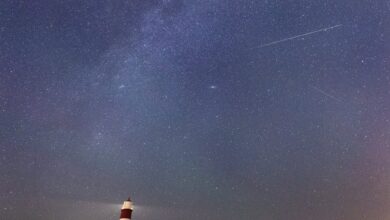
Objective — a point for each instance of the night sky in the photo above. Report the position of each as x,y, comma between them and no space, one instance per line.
200,110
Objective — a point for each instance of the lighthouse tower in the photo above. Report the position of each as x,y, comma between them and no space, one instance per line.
127,209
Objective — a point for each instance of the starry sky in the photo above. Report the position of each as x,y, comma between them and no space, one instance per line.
210,110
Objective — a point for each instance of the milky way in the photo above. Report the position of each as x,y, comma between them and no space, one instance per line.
180,105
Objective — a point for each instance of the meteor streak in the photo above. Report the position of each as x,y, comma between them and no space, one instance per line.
325,94
298,36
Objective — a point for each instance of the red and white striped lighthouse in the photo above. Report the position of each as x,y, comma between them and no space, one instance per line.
127,209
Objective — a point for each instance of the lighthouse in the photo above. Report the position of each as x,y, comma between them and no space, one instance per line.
127,209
